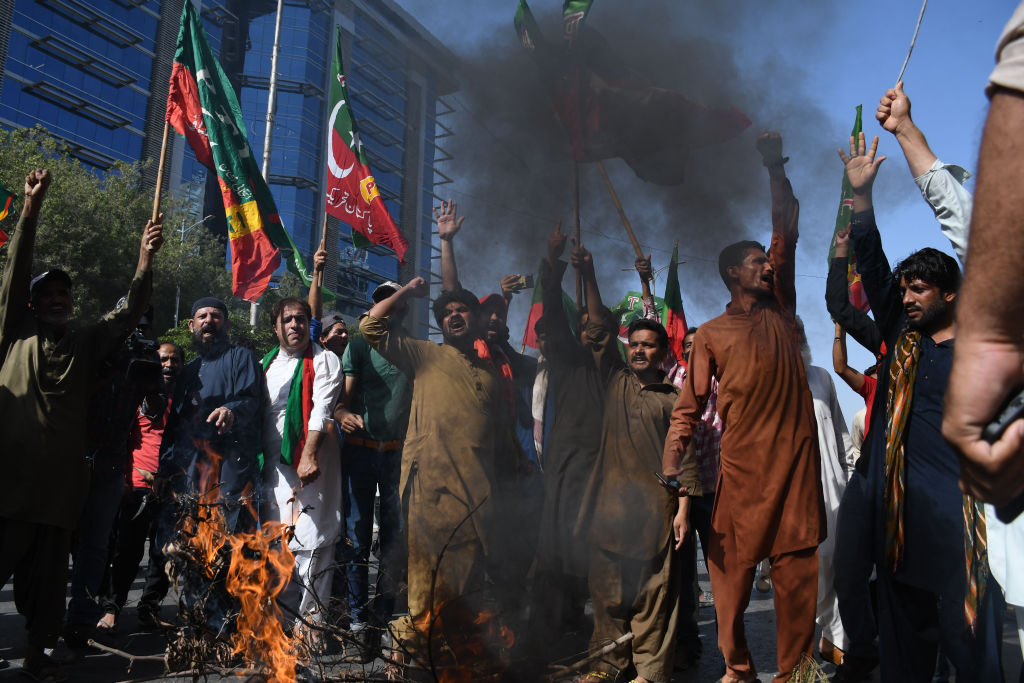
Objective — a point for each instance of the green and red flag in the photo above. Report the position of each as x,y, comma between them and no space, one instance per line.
843,217
527,28
202,106
352,193
573,14
675,319
537,310
6,201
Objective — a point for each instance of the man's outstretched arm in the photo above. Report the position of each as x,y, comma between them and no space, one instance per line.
785,218
941,184
988,364
14,292
448,225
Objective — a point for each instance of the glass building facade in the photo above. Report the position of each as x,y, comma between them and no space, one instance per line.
95,75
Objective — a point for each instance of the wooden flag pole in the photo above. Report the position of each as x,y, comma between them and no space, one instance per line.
160,172
622,213
576,219
318,278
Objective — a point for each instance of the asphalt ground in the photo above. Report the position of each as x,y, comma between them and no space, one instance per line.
93,665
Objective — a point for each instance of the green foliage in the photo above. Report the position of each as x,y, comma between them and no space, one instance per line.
91,224
260,338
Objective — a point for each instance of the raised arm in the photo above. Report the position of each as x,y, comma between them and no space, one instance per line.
448,225
583,261
14,292
646,273
560,338
316,294
785,218
854,321
941,184
853,379
882,292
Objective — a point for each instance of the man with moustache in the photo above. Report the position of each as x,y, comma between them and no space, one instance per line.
302,466
934,586
626,515
137,517
215,422
768,503
460,444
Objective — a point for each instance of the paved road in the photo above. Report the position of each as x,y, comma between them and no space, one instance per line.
101,667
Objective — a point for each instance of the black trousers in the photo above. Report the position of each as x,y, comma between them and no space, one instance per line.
136,523
36,555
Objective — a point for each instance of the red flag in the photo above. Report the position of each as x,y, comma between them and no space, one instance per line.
352,194
675,319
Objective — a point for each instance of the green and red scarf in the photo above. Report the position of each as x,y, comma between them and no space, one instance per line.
299,406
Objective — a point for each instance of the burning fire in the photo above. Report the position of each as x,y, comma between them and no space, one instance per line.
467,646
260,567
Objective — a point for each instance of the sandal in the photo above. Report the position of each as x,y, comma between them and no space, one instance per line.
43,669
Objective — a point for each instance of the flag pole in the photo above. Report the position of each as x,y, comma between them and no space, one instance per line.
271,112
576,219
160,172
318,278
622,213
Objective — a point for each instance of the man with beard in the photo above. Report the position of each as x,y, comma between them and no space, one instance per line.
302,467
460,444
213,436
626,516
137,516
768,503
929,539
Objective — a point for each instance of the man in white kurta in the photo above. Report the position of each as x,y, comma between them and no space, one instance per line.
303,488
837,459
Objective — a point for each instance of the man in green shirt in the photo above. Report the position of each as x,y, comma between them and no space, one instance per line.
373,411
48,365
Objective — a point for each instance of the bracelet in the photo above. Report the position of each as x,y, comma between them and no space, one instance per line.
837,338
779,162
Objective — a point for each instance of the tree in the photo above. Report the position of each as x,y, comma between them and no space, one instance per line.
91,224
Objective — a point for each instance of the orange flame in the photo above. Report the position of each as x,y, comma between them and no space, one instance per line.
260,568
470,643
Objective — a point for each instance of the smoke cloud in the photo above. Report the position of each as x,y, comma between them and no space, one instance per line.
513,169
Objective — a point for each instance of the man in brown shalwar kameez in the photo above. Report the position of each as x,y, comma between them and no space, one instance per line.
458,444
768,501
626,516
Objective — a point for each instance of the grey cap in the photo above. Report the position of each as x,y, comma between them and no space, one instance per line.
52,274
330,320
384,290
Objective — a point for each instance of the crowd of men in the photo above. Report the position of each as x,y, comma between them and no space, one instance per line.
519,490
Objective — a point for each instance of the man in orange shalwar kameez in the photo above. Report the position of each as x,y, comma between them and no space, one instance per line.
768,500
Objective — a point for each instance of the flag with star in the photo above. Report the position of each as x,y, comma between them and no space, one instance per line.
351,194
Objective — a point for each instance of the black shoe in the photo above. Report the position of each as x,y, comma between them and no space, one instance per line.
149,619
363,646
854,669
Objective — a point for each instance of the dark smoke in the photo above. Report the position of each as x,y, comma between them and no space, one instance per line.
513,173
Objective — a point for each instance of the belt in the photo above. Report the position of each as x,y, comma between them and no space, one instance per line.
375,445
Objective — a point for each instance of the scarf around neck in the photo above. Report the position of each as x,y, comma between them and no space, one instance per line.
299,406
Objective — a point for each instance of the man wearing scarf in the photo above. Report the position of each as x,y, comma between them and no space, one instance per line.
302,465
460,443
929,538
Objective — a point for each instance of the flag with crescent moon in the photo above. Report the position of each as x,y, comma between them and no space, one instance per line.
351,194
202,106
